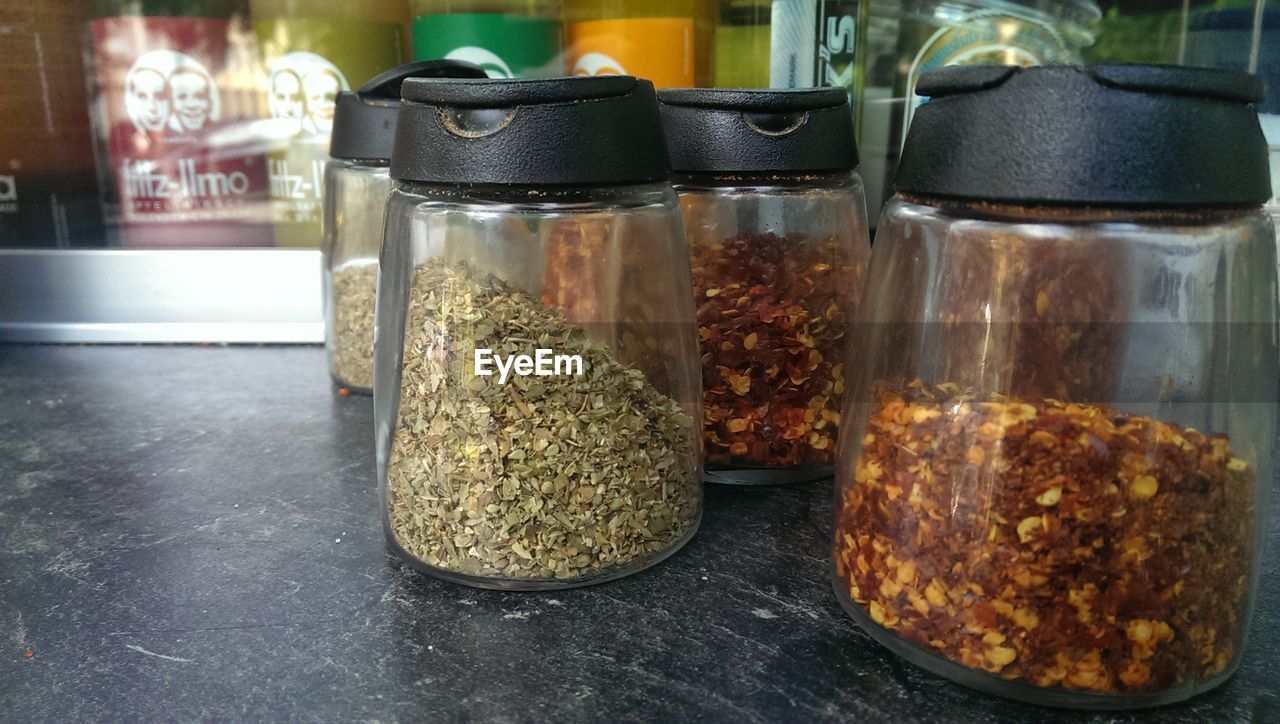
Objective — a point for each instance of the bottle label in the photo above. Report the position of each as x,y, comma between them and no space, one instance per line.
505,46
658,49
985,37
301,98
308,62
813,43
169,120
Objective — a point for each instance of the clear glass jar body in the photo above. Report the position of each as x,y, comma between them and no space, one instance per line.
355,201
1051,482
777,272
503,466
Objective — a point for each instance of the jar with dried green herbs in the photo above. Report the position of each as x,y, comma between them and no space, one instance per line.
536,394
777,230
356,184
1052,475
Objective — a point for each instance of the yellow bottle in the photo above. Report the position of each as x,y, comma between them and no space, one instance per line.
311,51
666,41
742,44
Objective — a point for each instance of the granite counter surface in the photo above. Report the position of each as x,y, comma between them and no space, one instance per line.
193,533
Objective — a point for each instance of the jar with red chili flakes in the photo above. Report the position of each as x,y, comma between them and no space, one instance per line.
1055,461
776,222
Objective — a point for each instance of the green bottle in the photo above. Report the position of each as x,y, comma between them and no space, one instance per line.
513,39
311,51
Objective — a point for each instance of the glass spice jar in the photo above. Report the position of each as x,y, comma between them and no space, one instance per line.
1052,478
356,184
536,387
777,230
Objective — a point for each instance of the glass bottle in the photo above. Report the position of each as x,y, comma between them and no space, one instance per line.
507,38
665,41
356,186
311,51
742,44
1052,478
48,192
536,368
777,231
177,157
792,44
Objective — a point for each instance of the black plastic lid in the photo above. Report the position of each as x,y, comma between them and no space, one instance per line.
758,131
364,121
1104,135
581,131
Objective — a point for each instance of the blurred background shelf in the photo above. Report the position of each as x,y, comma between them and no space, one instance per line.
206,295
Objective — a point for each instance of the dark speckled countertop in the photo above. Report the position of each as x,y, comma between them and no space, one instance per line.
192,533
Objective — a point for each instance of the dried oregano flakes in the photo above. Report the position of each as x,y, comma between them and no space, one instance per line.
354,294
557,477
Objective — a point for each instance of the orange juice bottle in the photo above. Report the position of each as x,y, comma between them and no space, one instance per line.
665,41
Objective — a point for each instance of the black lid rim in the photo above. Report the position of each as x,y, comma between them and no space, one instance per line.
537,189
714,132
387,84
364,120
1125,136
570,132
1218,83
509,92
752,99
1172,79
940,200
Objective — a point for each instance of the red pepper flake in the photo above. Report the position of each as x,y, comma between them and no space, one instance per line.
772,313
1053,543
